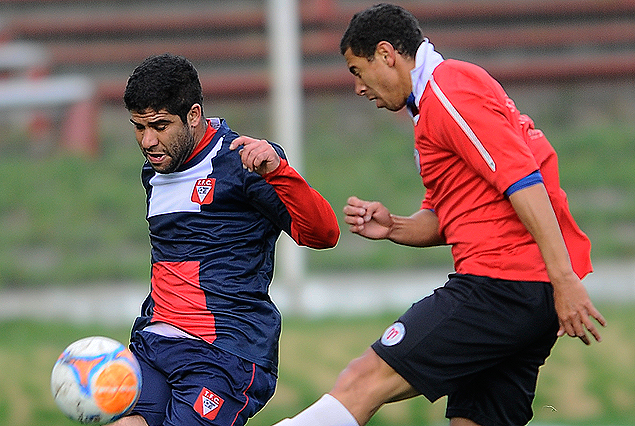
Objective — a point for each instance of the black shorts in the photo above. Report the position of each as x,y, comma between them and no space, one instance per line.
478,340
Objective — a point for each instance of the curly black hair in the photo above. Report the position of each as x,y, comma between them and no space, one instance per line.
382,22
164,82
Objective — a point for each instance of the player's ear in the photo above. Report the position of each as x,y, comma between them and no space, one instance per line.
386,53
195,115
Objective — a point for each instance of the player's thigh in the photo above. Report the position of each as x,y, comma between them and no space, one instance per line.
504,392
465,327
459,421
216,387
156,392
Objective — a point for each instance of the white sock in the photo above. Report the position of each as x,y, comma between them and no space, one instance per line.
326,411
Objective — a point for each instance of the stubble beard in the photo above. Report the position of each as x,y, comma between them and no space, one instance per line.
178,152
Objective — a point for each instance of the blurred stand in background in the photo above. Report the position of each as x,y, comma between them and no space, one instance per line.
521,42
64,66
51,109
338,295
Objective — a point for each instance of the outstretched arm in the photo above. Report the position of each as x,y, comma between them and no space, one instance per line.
372,220
573,305
313,221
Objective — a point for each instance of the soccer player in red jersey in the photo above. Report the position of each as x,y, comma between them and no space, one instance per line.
493,194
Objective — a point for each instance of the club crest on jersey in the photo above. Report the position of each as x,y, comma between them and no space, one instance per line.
393,334
208,404
203,192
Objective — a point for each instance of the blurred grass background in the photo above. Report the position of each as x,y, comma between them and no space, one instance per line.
75,219
577,386
72,220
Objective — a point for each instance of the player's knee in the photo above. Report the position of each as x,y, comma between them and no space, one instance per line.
361,374
371,379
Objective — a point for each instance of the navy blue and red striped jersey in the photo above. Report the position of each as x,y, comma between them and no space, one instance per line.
213,231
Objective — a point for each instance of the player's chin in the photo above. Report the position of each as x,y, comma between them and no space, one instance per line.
389,107
165,167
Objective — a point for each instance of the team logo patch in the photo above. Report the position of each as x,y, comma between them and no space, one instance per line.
208,404
204,191
393,334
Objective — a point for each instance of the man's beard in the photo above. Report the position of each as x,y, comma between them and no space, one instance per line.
178,152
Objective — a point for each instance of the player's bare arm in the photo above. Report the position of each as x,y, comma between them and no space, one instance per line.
257,155
369,219
373,220
573,304
421,229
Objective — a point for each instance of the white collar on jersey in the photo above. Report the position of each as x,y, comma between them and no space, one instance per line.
426,61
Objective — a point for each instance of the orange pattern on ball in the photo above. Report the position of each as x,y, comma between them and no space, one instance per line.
115,390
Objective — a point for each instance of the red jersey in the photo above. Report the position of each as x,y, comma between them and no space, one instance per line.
472,144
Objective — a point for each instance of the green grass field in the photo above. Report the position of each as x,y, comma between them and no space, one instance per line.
579,385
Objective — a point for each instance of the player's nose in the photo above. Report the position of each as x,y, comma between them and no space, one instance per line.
360,87
148,139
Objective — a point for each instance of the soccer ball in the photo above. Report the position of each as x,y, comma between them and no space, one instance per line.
96,380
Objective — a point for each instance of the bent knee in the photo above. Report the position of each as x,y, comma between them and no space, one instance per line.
367,383
364,374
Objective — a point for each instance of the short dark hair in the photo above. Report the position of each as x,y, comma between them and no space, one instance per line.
164,82
382,22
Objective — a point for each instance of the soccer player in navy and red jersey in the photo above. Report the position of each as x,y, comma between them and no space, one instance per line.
207,337
493,194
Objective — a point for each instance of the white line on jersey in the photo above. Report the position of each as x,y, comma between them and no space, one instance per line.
463,124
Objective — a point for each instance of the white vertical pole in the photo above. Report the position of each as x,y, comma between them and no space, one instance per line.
285,52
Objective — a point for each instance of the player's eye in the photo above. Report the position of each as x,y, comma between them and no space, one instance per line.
159,127
137,126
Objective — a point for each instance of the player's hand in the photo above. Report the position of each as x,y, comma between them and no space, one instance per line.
575,311
257,155
369,219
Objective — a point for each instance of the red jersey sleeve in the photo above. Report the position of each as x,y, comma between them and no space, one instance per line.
313,221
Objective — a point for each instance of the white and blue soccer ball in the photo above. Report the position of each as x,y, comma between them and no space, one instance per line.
96,380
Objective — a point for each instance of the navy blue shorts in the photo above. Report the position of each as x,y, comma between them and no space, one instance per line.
190,382
480,341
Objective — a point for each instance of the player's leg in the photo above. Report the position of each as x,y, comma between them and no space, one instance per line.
155,391
367,383
360,390
210,385
134,420
372,380
438,347
504,391
460,421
